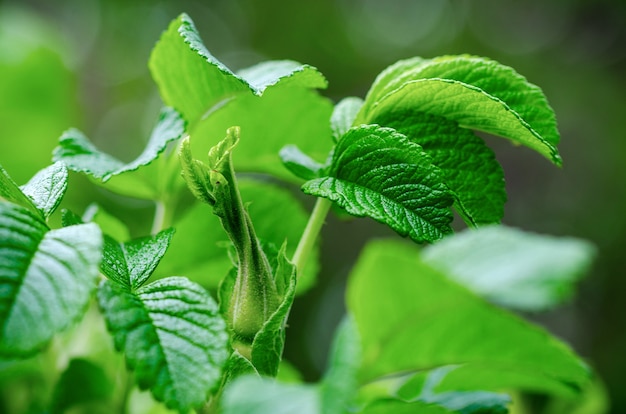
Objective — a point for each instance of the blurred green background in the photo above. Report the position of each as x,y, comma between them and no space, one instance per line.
83,63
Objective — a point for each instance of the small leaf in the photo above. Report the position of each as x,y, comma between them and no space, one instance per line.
47,187
468,166
80,155
11,192
300,164
172,337
343,116
268,344
377,172
443,324
477,93
46,278
131,263
513,268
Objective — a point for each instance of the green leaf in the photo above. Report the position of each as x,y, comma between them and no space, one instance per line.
131,263
377,172
391,405
300,164
423,387
90,379
256,395
47,187
343,116
189,78
476,93
468,166
339,385
287,72
11,192
418,320
212,99
46,278
79,154
268,344
513,268
172,336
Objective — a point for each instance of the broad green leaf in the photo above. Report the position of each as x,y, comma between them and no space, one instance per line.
259,100
190,79
476,93
47,187
513,268
265,128
377,172
339,385
200,246
172,337
131,263
10,191
92,381
79,154
46,278
300,164
268,344
256,395
418,319
468,166
344,115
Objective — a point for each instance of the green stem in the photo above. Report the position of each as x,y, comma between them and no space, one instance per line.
312,230
162,216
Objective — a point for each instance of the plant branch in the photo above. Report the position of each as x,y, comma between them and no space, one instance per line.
311,231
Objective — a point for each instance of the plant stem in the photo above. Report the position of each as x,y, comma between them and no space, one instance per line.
312,230
162,216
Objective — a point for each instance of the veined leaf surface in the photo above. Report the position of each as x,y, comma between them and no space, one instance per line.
46,278
377,172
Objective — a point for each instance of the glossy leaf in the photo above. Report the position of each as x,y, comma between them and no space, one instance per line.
513,268
132,263
46,278
420,310
79,154
10,191
377,172
468,166
47,187
476,93
172,337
